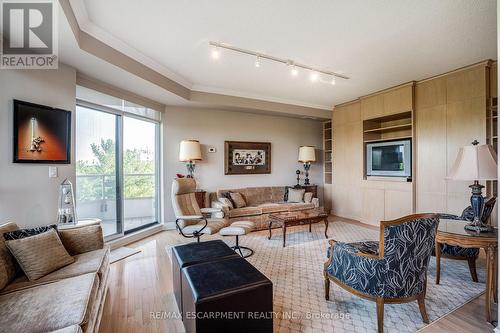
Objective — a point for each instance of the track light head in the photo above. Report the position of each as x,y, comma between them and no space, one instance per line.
215,53
257,62
294,71
333,81
313,76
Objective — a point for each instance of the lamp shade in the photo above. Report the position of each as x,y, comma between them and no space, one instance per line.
307,154
476,162
190,151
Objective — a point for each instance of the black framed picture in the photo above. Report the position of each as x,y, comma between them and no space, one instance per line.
42,134
242,158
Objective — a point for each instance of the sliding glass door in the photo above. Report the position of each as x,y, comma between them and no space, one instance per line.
97,168
140,160
117,169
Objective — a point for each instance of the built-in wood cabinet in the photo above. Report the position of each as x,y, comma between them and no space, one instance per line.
492,130
450,113
440,115
393,101
327,164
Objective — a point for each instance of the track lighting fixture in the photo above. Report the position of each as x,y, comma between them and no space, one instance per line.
291,64
257,62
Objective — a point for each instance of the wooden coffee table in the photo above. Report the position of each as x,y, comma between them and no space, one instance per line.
288,219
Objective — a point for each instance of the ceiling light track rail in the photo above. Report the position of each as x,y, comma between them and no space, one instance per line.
287,62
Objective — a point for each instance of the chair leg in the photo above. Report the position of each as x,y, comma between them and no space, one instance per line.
472,268
237,248
421,306
380,314
327,288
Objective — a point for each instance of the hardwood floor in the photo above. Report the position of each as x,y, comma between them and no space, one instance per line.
140,295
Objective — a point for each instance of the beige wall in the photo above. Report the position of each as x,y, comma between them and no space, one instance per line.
213,127
27,195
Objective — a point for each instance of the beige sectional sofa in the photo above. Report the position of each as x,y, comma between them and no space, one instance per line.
68,300
261,201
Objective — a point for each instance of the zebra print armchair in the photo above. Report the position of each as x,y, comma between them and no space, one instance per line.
461,253
393,270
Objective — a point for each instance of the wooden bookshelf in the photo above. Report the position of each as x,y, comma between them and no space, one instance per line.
327,151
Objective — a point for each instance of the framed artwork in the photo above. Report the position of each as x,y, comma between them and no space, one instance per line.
242,158
41,134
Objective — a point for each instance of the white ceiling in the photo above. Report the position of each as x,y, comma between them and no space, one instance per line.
377,43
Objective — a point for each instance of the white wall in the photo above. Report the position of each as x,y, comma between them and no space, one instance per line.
27,195
213,127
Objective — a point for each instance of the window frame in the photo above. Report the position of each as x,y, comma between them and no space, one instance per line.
119,165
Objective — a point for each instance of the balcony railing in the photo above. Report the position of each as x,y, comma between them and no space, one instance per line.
96,197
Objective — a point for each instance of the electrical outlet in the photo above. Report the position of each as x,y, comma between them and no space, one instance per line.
52,172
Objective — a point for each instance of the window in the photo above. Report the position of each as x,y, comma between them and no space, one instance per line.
117,167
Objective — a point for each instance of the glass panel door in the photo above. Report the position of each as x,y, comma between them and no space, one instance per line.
97,168
140,170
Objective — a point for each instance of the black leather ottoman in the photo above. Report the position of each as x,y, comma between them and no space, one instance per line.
195,253
228,295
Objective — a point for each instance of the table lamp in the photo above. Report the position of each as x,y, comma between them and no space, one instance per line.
190,152
475,163
307,155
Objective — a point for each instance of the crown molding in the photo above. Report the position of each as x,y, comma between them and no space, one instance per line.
96,41
219,91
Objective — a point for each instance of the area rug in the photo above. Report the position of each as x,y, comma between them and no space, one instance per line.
297,275
122,253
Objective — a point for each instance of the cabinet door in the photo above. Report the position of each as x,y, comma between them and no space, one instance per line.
372,107
398,100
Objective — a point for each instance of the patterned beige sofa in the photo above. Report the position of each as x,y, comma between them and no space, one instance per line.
261,201
69,300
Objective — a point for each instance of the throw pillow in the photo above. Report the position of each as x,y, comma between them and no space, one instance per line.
296,195
226,202
239,201
80,240
23,233
39,255
227,195
308,196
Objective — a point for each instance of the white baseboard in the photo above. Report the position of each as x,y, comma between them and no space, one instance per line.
497,329
137,236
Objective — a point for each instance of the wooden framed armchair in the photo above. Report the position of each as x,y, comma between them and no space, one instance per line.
393,270
461,253
191,221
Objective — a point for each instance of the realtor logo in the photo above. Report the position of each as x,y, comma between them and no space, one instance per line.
29,35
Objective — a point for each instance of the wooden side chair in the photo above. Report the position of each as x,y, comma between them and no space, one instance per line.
461,253
393,270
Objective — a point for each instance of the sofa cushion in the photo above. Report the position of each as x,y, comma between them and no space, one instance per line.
295,195
226,202
79,240
273,208
49,307
300,206
90,262
308,196
39,255
8,265
246,211
69,329
238,199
